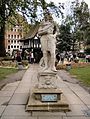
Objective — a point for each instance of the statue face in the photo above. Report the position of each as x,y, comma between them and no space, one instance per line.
48,17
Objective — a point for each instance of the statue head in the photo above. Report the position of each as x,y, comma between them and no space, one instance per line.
48,16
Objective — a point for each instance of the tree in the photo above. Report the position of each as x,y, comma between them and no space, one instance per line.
81,18
20,21
29,8
64,39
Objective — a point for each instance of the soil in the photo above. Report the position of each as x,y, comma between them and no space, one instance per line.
12,78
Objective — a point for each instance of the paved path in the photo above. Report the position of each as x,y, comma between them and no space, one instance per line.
12,78
13,98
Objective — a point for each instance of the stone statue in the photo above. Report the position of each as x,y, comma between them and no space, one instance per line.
47,32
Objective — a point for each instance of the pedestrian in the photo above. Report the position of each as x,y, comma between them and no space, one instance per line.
18,57
32,58
29,57
19,60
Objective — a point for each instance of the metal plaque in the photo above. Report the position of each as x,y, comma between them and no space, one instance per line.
49,97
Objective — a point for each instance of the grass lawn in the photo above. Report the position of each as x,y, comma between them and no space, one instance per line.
83,74
6,71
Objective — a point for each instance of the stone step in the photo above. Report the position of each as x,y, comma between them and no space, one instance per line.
37,105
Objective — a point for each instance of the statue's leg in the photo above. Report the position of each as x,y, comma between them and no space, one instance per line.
45,60
53,68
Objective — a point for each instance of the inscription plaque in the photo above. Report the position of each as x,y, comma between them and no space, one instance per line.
49,97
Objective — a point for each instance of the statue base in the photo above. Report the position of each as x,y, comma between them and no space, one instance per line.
47,79
47,100
46,96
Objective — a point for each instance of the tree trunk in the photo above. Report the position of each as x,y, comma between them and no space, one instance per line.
2,41
2,29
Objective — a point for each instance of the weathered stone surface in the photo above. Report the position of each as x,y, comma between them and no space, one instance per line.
47,80
18,117
37,105
19,98
37,93
15,110
48,114
2,108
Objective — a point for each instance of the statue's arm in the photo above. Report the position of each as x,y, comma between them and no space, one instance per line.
43,30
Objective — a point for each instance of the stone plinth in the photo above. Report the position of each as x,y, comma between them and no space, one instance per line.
39,93
47,80
45,96
36,103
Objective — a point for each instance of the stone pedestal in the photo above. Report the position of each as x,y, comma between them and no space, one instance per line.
47,80
46,96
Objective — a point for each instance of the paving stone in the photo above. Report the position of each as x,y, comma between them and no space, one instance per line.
86,99
9,88
75,117
2,108
6,93
77,110
71,85
73,99
4,100
87,112
88,106
48,113
61,85
51,117
14,83
19,98
22,90
18,117
25,84
79,89
66,90
15,110
87,117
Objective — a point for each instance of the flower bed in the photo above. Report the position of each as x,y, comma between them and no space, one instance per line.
12,63
73,65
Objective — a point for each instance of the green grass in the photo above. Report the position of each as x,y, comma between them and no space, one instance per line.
6,71
82,60
83,74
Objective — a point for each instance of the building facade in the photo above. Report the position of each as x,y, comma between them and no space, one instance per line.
12,38
31,43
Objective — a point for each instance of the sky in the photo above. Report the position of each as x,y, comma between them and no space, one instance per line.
65,1
67,5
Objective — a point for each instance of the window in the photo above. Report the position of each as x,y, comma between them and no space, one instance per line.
18,46
15,36
17,41
8,41
14,41
21,36
11,41
11,46
9,36
27,43
8,46
14,46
